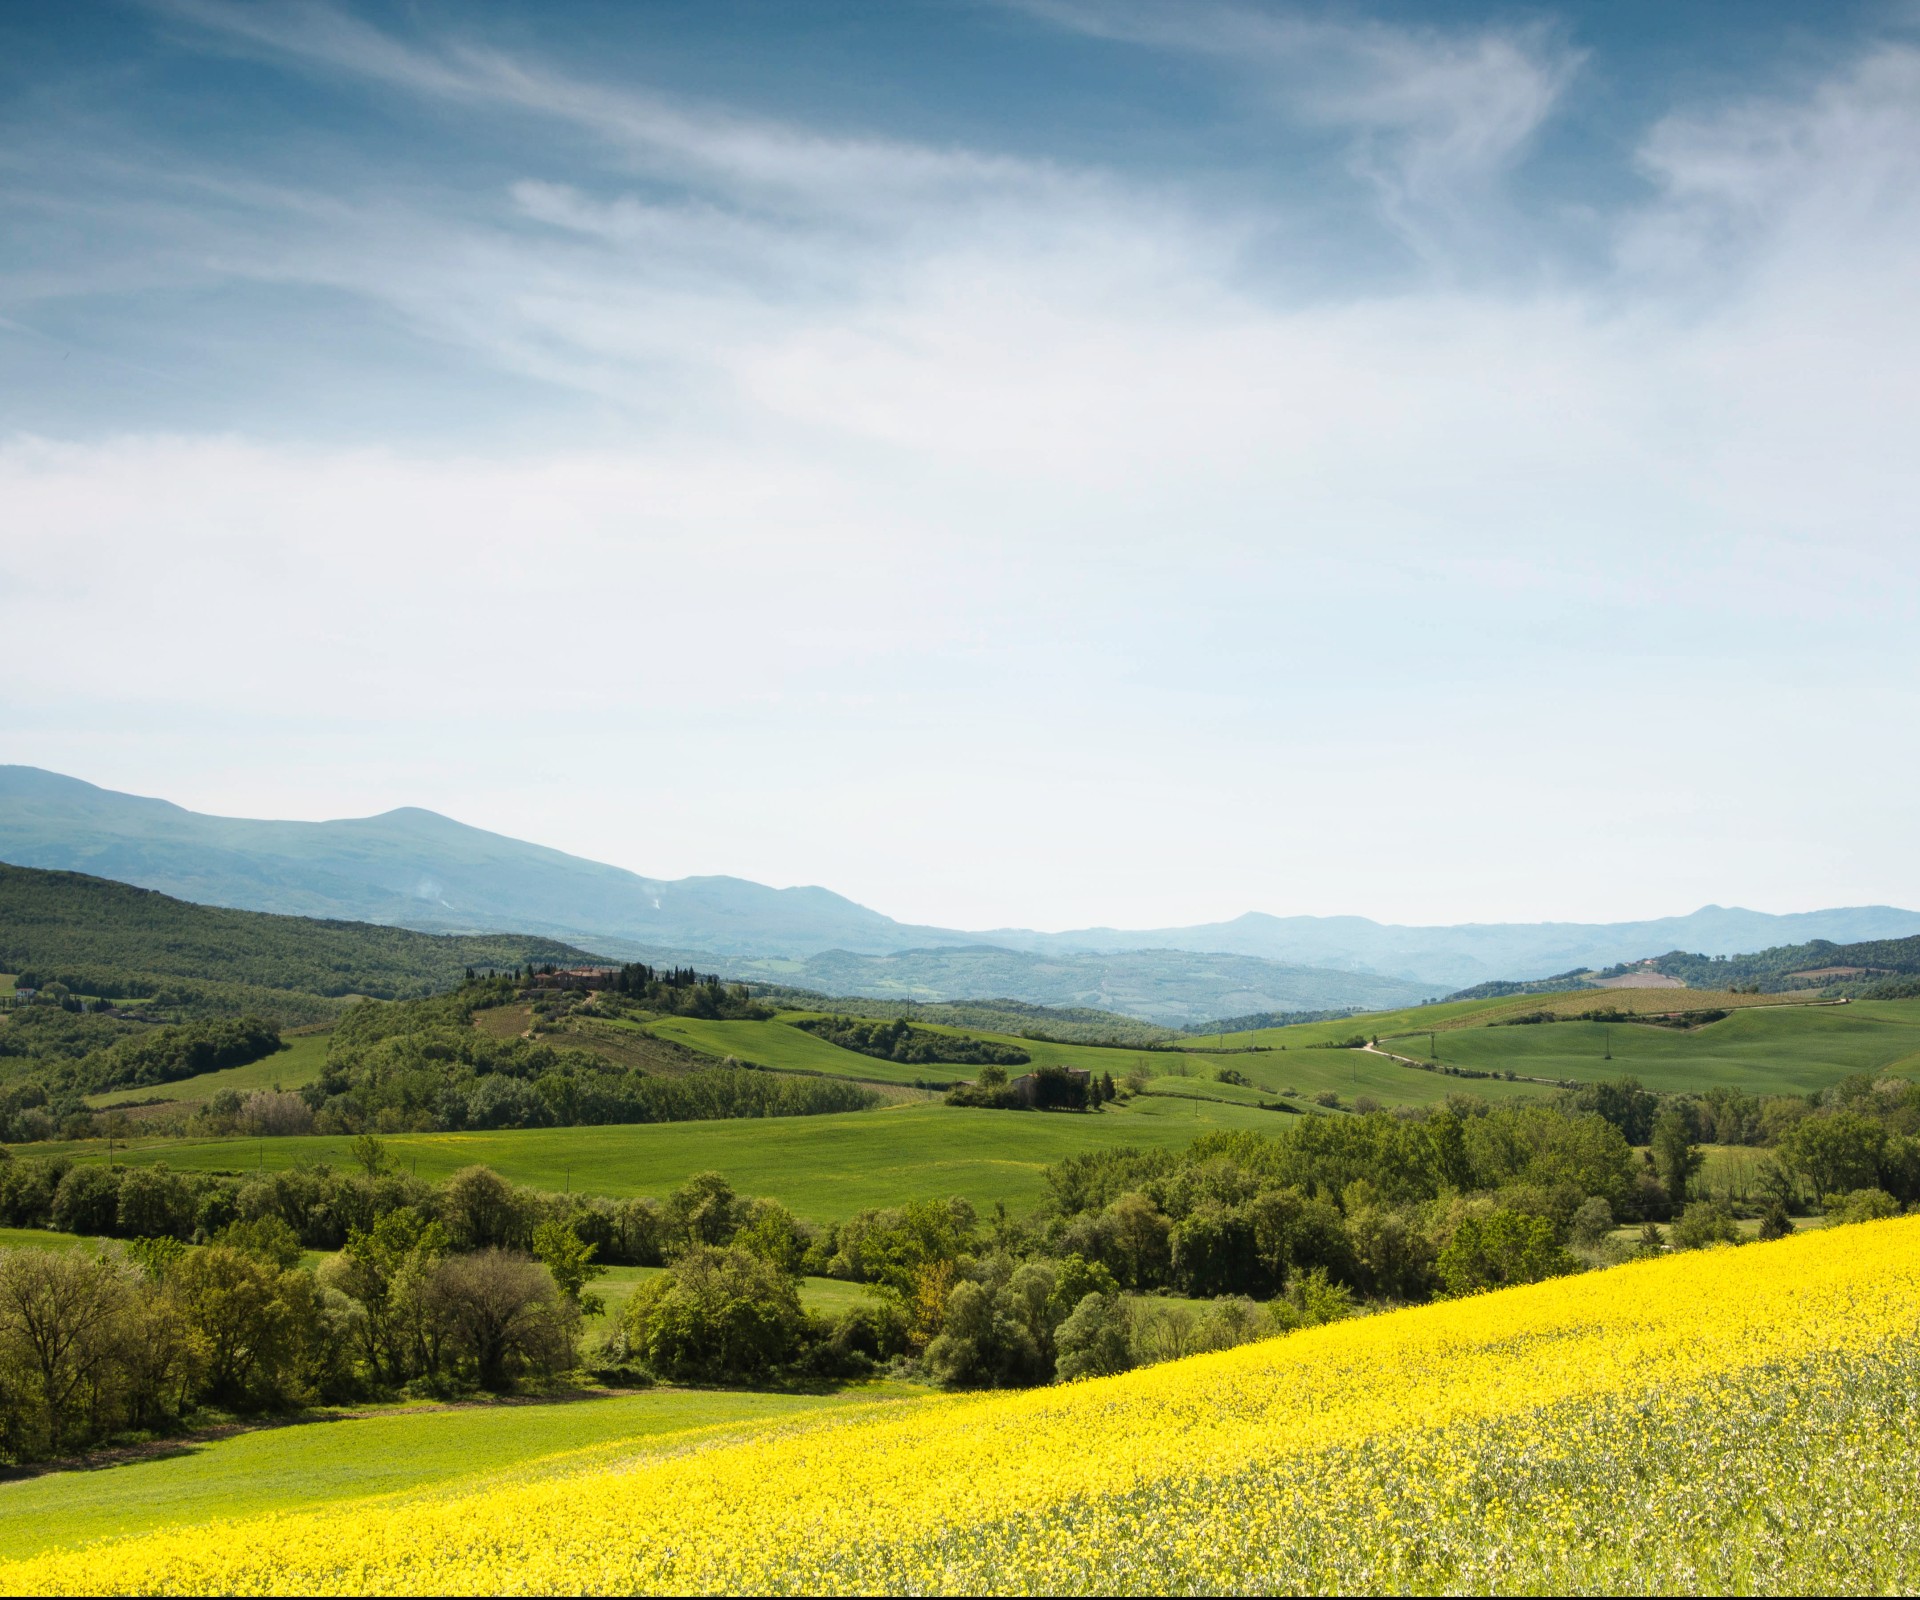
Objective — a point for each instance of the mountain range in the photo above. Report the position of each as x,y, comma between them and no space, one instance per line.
413,868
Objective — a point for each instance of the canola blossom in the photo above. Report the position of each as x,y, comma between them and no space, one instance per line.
1736,1419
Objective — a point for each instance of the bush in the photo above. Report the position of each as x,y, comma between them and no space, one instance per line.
1775,1222
1705,1222
1863,1205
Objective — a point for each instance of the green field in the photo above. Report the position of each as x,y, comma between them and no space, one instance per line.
298,1064
1271,1071
822,1167
789,1049
1766,1050
315,1462
38,1239
827,1296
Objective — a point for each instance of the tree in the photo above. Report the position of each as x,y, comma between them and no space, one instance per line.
1624,1103
268,1238
1092,1342
154,1202
1675,1156
259,1327
503,1315
1139,1231
385,1270
775,1235
715,1313
482,1210
87,1201
571,1263
1501,1248
58,1309
704,1211
1837,1153
982,1342
370,1153
1591,1223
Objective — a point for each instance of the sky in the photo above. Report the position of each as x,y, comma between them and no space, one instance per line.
1017,464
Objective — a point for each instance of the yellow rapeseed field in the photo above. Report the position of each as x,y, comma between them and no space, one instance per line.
1738,1419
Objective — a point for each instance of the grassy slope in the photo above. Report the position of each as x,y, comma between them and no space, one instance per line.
828,1296
299,1063
776,1044
1771,1050
60,921
822,1167
310,1464
780,1045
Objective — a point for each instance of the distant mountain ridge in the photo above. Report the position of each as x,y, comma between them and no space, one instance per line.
1470,953
417,869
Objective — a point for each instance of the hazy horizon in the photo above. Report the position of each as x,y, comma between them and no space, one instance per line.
1017,465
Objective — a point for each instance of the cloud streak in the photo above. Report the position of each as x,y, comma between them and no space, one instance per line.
910,451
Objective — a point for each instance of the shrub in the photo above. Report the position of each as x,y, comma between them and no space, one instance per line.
1704,1223
1864,1205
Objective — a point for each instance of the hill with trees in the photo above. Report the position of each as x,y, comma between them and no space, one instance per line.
99,938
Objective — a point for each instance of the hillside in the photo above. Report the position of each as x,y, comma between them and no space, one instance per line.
416,869
1688,1424
100,937
1819,963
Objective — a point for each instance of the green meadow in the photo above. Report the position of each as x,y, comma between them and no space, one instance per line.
352,1457
298,1064
1765,1050
821,1167
789,1049
1287,1062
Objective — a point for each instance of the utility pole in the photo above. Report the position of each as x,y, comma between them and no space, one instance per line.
1609,1036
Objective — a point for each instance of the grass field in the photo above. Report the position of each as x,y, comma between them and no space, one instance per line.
828,1296
822,1167
789,1049
1734,1420
298,1064
319,1462
780,1045
38,1239
1772,1050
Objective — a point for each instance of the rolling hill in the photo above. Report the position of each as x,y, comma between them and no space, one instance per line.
98,937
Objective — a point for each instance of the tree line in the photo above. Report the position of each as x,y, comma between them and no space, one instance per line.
895,1040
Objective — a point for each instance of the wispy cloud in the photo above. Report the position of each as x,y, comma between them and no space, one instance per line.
1435,116
922,448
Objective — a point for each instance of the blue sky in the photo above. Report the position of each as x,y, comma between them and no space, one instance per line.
1041,463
